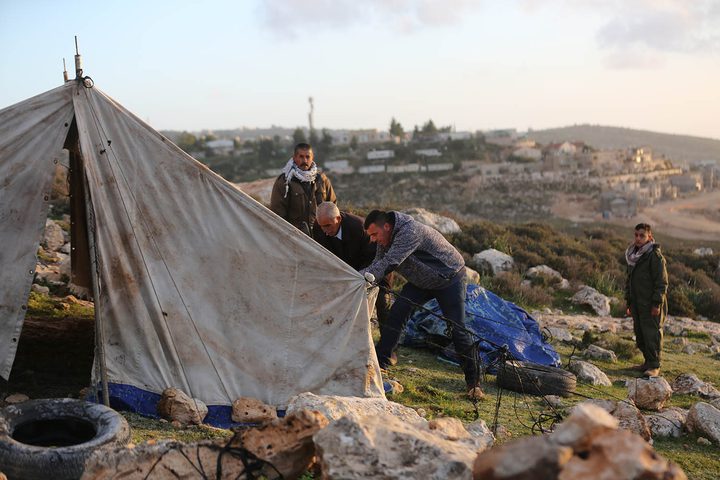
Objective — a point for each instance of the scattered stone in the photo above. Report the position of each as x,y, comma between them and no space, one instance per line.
176,405
252,410
53,237
682,341
560,334
395,387
442,224
503,432
674,329
480,431
608,405
649,393
493,261
554,401
66,249
693,348
335,407
471,275
703,251
40,289
588,373
630,418
287,443
703,441
452,429
384,446
16,398
422,412
667,423
594,352
620,455
524,459
596,300
585,423
690,384
704,419
547,272
48,274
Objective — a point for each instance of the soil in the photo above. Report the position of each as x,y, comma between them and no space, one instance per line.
54,358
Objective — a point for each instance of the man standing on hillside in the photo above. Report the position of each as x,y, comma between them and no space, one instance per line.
300,188
646,296
433,268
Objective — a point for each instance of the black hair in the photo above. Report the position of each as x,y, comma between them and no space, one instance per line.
644,226
379,218
302,146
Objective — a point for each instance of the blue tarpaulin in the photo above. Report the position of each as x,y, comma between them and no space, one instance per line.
495,321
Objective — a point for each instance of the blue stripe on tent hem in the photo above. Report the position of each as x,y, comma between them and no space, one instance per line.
133,399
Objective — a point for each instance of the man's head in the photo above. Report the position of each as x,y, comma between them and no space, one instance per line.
643,234
328,217
379,227
303,156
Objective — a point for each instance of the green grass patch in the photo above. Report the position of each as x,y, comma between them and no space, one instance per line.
42,305
144,429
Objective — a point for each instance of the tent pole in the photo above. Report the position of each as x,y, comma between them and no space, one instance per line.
99,331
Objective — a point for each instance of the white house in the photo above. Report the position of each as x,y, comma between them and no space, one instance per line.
220,147
380,154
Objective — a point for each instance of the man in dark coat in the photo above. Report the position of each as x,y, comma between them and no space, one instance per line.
646,296
343,234
433,268
300,189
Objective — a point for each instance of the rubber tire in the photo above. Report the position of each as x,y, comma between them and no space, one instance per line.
535,379
22,461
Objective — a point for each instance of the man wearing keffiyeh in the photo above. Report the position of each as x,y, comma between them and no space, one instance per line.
646,296
300,188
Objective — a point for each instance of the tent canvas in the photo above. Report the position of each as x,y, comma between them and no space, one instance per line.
198,286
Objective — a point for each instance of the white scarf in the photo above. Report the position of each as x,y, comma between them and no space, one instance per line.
633,254
291,170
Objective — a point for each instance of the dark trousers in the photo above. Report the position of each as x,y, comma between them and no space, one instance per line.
452,304
648,334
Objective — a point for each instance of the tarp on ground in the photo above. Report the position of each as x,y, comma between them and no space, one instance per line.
493,320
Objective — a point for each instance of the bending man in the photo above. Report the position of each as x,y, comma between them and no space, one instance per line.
433,268
300,189
646,296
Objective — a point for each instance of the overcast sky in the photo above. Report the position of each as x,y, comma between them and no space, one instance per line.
650,64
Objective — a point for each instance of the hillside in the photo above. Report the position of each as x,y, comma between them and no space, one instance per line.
679,148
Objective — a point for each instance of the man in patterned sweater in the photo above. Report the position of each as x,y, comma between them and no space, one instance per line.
433,268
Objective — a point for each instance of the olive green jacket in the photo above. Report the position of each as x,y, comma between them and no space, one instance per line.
297,207
647,281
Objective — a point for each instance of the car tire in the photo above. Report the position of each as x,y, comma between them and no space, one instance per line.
535,379
52,438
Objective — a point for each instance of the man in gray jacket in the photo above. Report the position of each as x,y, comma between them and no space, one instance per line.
433,268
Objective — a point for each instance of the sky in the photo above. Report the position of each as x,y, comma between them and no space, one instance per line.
475,65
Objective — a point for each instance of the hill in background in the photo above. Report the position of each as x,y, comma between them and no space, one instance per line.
679,148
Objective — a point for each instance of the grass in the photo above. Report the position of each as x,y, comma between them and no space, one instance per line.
42,305
438,388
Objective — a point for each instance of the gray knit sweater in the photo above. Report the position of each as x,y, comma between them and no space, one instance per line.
419,253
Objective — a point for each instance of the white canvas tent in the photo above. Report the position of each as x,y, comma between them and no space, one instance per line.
197,285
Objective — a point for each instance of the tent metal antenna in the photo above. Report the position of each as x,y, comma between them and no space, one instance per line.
78,61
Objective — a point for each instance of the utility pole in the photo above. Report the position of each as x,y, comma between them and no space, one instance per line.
310,116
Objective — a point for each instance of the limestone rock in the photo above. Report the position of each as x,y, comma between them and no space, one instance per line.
584,423
252,410
53,237
40,289
384,446
588,373
526,458
630,418
591,297
649,393
554,400
66,249
620,455
667,423
703,251
561,334
690,384
335,407
442,224
608,405
287,443
703,441
704,419
452,429
695,347
673,328
16,398
493,261
50,274
547,272
598,353
471,275
480,431
176,405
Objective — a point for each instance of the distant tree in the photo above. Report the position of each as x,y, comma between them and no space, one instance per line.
354,142
314,139
326,139
396,130
299,136
266,151
210,137
187,141
429,128
416,133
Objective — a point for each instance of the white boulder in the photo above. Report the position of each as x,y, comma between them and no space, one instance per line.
649,393
591,297
588,373
493,261
442,224
667,423
704,419
335,407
